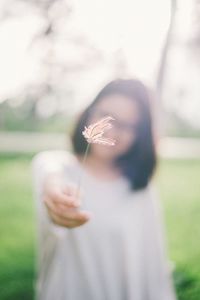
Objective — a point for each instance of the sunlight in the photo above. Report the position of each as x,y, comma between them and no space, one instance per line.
112,25
108,25
18,67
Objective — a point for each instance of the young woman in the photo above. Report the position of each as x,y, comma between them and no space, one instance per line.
105,243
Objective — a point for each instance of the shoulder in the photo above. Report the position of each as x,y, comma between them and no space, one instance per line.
148,195
153,199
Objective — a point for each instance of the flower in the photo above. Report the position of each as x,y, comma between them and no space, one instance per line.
94,132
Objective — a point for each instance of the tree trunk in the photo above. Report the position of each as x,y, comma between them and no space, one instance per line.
163,61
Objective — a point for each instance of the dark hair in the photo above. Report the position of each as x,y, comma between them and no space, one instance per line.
139,162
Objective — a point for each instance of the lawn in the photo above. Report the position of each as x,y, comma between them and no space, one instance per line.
179,186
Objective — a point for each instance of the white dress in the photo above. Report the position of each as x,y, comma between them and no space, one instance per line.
118,255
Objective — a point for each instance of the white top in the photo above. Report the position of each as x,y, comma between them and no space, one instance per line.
118,255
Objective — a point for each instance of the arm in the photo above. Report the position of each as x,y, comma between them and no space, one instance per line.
57,204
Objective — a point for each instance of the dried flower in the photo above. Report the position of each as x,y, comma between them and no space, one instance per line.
94,132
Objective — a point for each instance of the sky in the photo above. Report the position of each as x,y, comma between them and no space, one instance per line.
138,28
109,25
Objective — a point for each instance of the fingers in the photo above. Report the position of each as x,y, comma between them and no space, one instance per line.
65,222
69,195
57,207
62,205
68,222
73,191
66,216
78,216
51,206
58,196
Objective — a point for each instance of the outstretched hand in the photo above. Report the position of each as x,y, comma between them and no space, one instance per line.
63,205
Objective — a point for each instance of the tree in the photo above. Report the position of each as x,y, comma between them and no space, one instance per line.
164,55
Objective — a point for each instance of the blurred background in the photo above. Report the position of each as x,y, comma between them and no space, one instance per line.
55,55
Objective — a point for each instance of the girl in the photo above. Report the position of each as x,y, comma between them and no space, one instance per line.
105,243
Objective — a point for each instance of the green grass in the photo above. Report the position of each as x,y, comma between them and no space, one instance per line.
180,193
16,230
179,184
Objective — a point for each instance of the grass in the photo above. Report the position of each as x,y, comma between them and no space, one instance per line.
16,230
178,182
180,193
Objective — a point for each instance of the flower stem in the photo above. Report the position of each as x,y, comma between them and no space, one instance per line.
83,164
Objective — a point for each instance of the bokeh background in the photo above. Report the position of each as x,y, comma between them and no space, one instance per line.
54,57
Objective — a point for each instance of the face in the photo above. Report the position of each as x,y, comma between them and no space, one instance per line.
126,114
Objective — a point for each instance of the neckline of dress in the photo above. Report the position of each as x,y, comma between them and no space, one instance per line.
93,178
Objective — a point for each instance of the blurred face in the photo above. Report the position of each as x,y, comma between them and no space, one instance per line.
126,114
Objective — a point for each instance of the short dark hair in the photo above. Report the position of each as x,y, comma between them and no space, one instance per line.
139,162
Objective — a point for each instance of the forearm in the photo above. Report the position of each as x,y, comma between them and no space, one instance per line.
47,168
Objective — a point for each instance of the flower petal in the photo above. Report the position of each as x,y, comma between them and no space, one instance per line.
94,132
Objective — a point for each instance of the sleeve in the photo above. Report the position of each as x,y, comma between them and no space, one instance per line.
157,248
44,164
49,236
